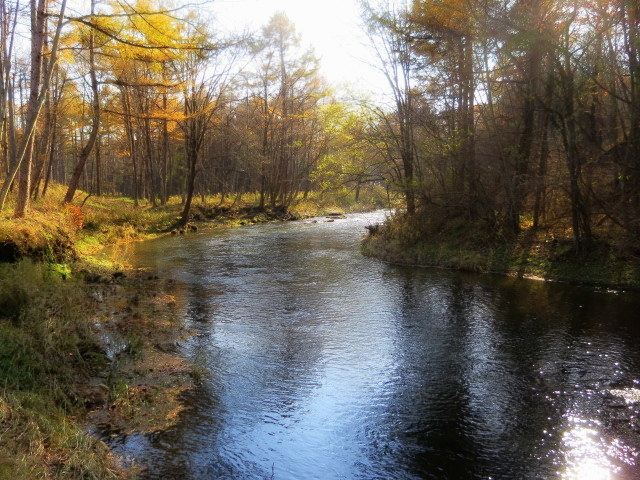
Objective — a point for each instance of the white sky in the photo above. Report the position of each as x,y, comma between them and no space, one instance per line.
331,27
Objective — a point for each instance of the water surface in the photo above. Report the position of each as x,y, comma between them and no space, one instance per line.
323,364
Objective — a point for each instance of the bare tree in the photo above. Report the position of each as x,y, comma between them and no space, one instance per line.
391,36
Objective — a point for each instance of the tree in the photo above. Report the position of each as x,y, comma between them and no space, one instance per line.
391,34
288,90
95,118
349,160
448,34
41,71
204,86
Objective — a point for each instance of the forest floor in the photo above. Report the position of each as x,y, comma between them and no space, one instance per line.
542,254
88,347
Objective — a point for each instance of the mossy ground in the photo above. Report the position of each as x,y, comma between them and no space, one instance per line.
139,321
84,349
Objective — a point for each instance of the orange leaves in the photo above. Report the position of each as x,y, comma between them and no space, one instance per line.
75,214
453,17
144,63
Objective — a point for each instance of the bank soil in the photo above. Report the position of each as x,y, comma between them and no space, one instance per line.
546,258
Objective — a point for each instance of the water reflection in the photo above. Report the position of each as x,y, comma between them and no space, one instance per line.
324,364
585,455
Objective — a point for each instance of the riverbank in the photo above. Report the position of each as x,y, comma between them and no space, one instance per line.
53,233
90,347
82,352
542,255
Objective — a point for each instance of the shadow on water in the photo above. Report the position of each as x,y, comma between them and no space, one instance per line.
324,364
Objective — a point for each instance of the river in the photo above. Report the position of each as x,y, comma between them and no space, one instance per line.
320,363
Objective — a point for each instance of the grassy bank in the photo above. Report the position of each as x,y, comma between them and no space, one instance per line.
54,233
542,254
80,349
87,345
46,349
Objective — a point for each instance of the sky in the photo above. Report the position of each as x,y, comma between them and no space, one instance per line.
332,27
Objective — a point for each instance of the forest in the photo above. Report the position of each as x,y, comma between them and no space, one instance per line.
518,115
506,115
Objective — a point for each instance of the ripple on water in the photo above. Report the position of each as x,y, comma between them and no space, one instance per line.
326,364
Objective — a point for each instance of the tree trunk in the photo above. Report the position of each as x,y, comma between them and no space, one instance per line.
38,23
192,158
164,193
50,163
539,206
580,220
95,123
98,168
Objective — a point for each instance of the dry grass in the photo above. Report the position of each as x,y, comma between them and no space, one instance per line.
48,233
46,346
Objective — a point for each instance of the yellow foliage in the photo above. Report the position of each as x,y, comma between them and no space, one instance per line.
446,16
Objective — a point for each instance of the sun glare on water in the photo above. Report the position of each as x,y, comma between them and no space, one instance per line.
585,456
590,456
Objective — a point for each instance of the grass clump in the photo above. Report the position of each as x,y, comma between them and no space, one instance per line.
40,324
45,236
37,440
47,233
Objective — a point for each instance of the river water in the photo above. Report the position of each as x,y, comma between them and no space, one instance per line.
320,363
